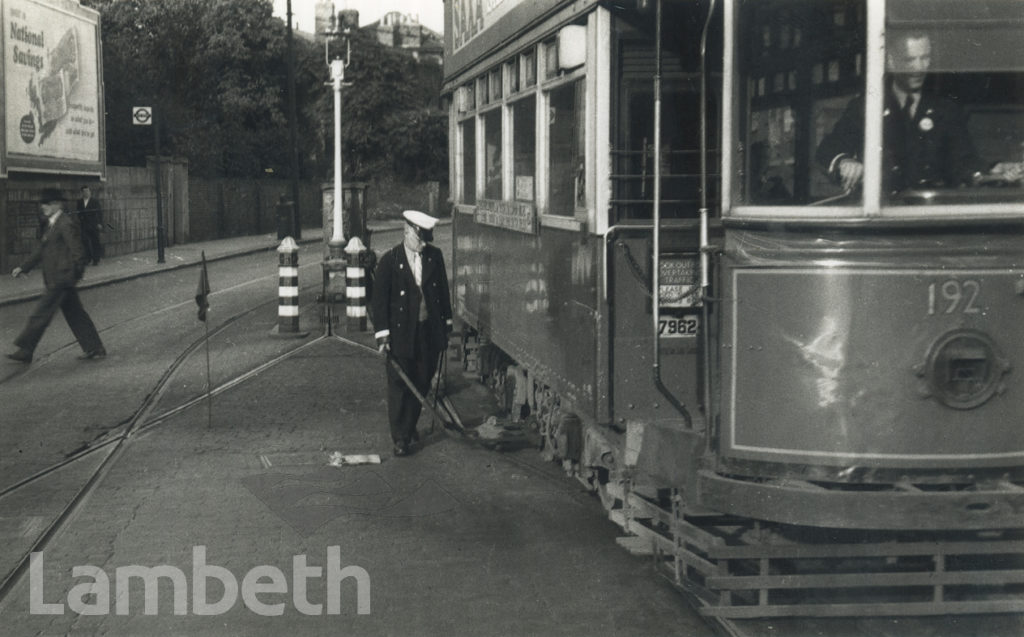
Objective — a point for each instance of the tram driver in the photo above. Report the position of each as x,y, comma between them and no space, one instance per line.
926,139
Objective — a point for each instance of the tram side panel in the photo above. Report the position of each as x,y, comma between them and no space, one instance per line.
533,295
634,395
892,365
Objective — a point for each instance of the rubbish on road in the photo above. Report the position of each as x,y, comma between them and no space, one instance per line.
499,436
338,459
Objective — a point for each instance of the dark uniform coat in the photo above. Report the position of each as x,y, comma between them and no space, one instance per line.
396,297
933,149
416,345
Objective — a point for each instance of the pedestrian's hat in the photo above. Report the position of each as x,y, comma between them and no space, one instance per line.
422,222
51,195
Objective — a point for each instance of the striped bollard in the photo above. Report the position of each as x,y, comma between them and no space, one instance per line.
288,290
355,285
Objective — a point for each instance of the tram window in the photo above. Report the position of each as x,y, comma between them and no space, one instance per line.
524,127
951,107
512,73
550,59
481,90
566,174
953,110
468,160
529,69
494,81
799,63
492,154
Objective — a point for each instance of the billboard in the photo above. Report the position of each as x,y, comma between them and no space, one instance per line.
52,103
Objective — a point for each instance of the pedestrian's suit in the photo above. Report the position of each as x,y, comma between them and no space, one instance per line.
933,149
416,345
63,260
90,216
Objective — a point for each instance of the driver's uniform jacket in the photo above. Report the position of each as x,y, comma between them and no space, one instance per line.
931,149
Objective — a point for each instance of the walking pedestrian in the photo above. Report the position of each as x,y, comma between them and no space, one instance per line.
62,256
412,316
90,216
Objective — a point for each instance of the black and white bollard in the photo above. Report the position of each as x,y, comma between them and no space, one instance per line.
356,285
288,290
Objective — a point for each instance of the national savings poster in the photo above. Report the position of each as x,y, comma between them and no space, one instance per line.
51,103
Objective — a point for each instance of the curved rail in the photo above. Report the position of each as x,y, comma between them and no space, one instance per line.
140,421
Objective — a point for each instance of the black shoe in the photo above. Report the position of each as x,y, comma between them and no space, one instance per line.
22,356
96,354
401,449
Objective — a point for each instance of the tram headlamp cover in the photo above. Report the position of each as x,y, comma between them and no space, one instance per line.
964,369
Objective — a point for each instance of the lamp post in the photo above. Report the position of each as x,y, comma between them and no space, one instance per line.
339,28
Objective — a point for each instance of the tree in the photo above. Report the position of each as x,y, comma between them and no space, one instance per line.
391,124
215,73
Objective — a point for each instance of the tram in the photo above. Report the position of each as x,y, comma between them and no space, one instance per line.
799,389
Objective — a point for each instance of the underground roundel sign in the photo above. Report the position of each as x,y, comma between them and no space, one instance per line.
142,115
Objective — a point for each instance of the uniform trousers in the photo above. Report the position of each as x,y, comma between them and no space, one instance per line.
403,406
66,299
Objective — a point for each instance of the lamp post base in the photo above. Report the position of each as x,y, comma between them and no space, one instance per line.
336,249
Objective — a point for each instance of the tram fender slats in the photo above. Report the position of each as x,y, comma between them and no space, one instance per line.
754,551
696,562
698,536
636,545
647,509
865,610
857,580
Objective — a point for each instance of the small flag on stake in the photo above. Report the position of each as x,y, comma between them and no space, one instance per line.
203,290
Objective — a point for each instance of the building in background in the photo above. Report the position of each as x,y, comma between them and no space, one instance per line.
403,31
396,29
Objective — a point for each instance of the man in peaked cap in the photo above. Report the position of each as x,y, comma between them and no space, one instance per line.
927,143
412,317
63,260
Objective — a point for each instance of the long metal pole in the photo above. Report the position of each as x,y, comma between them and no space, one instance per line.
656,256
293,124
705,248
337,77
159,197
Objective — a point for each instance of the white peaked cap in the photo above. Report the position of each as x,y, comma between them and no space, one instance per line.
420,219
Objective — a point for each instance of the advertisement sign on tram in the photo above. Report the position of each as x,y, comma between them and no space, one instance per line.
473,27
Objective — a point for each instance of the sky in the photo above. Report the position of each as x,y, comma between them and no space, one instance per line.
430,12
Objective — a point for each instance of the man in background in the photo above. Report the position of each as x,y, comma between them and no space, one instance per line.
90,216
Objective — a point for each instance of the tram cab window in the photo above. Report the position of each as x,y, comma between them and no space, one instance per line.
799,63
949,105
953,107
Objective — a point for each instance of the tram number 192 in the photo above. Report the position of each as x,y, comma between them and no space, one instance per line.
678,326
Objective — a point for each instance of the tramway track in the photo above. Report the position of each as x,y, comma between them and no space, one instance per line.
113,441
41,361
